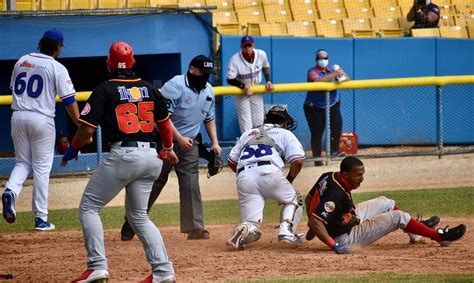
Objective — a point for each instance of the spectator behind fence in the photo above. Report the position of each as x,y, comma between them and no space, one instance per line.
424,13
62,143
244,70
315,103
36,80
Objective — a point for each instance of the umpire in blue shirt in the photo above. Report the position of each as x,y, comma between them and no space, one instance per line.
191,101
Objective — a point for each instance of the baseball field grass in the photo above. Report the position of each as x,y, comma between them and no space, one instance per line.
447,202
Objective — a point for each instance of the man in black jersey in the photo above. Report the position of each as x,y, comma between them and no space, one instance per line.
127,108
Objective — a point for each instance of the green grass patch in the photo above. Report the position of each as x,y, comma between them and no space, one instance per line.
453,202
376,277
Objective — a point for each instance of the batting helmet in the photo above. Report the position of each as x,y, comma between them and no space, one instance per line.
280,111
120,56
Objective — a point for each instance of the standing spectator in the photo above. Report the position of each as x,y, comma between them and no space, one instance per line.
191,101
245,70
424,13
36,80
339,223
126,108
315,104
258,159
62,143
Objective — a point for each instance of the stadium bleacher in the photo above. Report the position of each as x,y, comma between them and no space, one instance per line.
322,18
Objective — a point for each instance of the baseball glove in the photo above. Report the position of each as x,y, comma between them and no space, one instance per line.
215,164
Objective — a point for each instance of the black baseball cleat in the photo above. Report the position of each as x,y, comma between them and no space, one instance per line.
126,234
449,235
198,234
431,222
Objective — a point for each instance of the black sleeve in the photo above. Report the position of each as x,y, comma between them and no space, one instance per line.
161,111
92,112
236,83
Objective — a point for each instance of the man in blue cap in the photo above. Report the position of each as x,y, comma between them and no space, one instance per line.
36,80
244,70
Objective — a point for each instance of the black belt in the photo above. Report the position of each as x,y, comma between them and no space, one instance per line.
260,163
135,144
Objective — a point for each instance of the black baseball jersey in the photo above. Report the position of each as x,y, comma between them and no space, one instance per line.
334,202
126,108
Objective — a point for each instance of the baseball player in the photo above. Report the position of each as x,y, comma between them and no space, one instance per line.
337,222
244,70
258,159
191,101
126,107
36,80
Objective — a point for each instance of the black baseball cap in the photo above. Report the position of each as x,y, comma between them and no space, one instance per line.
203,63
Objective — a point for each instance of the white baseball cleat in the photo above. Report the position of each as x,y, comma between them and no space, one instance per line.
291,239
236,242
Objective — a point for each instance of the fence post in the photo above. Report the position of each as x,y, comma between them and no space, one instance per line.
99,144
328,128
439,120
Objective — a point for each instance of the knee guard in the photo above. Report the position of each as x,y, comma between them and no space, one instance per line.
293,211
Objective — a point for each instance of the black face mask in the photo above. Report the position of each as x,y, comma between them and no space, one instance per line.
197,82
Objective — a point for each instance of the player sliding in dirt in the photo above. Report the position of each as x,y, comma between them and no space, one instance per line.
336,221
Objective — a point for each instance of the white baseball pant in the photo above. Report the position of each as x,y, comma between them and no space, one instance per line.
33,137
135,168
377,219
250,111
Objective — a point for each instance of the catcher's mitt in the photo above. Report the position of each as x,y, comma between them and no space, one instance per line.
215,164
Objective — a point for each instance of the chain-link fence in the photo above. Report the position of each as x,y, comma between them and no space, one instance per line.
378,122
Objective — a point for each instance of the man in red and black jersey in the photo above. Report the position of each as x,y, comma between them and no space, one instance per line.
339,223
127,108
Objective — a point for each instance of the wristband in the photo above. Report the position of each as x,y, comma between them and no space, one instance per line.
330,242
70,153
168,148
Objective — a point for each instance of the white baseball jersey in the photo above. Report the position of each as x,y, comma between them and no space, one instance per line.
36,80
246,72
291,148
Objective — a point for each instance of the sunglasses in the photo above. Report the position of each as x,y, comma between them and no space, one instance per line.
247,45
326,58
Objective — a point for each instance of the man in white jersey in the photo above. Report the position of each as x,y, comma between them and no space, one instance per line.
258,159
36,80
244,70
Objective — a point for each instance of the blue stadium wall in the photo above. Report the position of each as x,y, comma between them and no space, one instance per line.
172,38
185,35
362,59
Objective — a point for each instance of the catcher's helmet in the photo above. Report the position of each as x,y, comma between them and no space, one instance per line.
120,56
281,112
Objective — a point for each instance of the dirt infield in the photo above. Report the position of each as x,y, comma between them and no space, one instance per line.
60,256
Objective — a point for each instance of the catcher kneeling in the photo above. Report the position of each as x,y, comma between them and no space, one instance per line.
258,159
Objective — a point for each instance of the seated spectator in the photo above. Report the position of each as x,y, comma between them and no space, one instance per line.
424,13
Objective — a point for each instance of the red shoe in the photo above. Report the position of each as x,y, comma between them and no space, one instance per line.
167,279
92,275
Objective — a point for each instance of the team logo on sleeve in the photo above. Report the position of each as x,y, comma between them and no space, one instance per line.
329,206
86,109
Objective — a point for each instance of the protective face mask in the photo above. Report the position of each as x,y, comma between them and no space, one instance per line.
197,82
323,63
62,147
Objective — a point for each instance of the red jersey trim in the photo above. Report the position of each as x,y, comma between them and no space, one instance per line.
319,218
162,120
122,80
87,123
